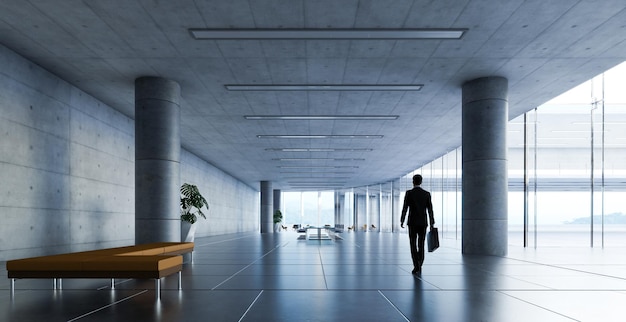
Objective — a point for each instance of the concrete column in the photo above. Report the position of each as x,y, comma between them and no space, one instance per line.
277,203
157,160
485,186
340,204
267,222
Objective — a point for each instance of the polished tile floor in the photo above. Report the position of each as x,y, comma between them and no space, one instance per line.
364,277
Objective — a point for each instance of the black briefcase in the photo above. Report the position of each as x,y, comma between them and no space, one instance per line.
433,239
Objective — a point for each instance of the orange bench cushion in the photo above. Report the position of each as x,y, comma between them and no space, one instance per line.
132,263
131,257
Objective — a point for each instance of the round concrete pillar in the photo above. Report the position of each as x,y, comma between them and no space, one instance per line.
276,203
485,177
157,160
267,218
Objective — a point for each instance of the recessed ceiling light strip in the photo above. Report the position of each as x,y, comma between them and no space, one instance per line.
316,183
321,117
328,34
321,136
322,87
319,172
320,167
318,186
317,159
325,178
319,150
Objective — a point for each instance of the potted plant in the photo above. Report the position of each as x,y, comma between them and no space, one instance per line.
278,218
191,204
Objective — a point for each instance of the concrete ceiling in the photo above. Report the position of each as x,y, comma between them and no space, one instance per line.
542,47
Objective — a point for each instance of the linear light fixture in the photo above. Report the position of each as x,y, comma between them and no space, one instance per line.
316,182
316,185
317,159
323,87
319,149
321,117
320,172
318,178
315,188
327,33
294,136
319,167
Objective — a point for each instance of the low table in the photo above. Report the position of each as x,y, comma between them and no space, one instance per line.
315,233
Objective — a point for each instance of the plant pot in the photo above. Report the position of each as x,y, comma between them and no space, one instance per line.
277,227
188,231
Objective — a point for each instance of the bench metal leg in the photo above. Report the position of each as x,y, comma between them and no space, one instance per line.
12,286
57,283
180,280
157,288
112,283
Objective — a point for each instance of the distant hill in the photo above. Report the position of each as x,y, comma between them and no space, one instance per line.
617,218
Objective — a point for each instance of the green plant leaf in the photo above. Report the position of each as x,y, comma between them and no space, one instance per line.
191,203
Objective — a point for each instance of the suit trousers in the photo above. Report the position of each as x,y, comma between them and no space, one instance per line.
417,236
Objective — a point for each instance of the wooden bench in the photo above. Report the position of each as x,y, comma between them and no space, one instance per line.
155,260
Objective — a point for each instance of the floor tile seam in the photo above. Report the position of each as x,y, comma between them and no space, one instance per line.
578,290
250,306
429,283
571,269
495,289
393,306
245,267
115,283
6,294
224,240
265,288
107,306
322,266
538,306
525,281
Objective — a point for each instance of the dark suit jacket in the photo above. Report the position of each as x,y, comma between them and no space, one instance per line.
417,201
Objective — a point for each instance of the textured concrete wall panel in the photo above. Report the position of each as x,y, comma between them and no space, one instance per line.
93,133
67,168
66,165
27,146
26,106
25,187
234,206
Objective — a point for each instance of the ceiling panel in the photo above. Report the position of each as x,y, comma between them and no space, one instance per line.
542,47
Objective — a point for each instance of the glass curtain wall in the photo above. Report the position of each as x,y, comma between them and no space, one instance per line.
308,208
567,170
567,177
385,224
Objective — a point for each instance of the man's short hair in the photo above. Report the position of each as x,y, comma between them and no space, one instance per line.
417,180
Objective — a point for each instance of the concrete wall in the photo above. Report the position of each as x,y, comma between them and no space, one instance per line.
67,170
234,206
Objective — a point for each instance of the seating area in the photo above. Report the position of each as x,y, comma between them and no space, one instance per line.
154,260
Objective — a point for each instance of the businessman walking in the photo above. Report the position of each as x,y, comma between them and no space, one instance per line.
419,203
